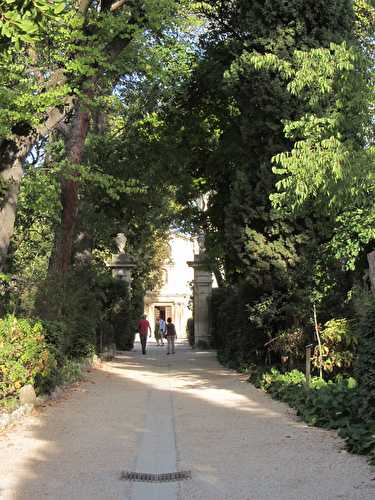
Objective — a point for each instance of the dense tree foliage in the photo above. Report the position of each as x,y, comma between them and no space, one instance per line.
230,125
249,121
74,128
87,48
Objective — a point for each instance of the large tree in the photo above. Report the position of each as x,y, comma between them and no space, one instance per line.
78,58
236,113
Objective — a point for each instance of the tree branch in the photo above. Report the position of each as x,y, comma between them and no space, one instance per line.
83,6
117,5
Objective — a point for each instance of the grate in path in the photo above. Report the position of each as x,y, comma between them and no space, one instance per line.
155,478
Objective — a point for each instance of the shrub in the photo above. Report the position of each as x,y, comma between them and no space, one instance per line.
339,346
71,371
72,305
118,322
332,404
290,343
24,355
326,404
365,369
56,336
237,340
360,438
190,331
8,295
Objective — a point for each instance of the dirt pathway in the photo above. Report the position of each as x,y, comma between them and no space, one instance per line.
159,414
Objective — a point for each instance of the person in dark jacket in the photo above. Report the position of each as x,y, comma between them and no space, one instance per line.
171,336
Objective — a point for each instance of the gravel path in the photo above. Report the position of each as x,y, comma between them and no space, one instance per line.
164,413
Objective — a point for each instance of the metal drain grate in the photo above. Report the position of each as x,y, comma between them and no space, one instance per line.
155,478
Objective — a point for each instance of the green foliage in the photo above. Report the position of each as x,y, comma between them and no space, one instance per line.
331,156
119,318
339,347
87,310
323,404
37,216
7,292
354,233
230,124
72,371
328,159
290,343
247,328
237,340
190,331
365,370
333,405
360,439
75,302
25,93
266,75
25,357
22,20
3,190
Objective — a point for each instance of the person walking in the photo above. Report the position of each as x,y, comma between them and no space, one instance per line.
171,336
163,329
157,332
143,329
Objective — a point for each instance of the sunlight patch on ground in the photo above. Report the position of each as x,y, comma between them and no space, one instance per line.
191,386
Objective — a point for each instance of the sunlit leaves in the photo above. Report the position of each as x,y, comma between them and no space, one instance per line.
23,20
334,140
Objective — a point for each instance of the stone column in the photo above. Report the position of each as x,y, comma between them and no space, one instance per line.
202,289
122,266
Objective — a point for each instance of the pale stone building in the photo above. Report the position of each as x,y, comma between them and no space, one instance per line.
174,297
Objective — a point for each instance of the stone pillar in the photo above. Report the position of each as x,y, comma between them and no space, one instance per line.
202,289
122,266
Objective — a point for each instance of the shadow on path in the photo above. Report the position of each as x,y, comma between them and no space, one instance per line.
238,443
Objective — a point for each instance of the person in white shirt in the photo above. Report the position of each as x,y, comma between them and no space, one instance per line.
162,328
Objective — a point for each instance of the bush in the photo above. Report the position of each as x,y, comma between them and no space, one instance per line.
190,331
339,347
72,303
56,336
365,369
119,320
87,310
333,405
25,357
238,342
290,343
72,371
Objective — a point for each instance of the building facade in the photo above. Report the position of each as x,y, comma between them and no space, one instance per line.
173,298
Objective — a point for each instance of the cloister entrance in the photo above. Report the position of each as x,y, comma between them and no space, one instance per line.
163,312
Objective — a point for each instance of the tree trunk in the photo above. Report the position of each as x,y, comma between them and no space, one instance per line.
12,156
74,147
371,270
8,210
13,153
219,278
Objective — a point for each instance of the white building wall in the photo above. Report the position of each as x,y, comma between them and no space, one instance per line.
175,294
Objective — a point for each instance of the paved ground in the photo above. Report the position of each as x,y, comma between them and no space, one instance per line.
159,413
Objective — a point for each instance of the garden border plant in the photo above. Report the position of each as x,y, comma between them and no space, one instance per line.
332,404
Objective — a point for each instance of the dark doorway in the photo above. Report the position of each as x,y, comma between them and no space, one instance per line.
163,312
160,312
